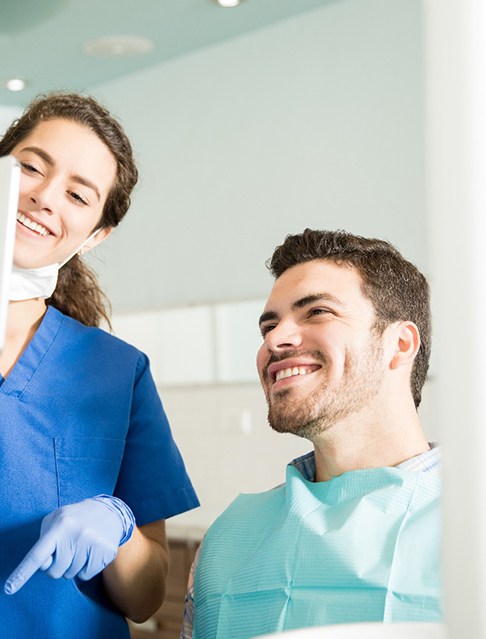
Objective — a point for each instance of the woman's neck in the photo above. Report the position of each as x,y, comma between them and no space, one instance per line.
24,318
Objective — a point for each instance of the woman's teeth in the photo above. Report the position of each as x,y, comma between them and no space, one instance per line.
30,224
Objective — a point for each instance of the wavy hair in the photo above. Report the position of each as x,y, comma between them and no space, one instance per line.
78,293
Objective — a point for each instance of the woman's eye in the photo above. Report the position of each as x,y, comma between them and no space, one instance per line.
78,198
30,168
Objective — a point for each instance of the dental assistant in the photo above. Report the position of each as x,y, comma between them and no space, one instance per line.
89,470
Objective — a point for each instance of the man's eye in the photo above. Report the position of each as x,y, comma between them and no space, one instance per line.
319,311
266,329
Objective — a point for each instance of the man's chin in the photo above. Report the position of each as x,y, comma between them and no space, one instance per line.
284,423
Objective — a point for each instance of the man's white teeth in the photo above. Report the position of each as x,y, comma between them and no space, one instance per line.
30,224
291,372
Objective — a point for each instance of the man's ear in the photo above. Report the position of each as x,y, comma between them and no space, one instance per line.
406,344
96,238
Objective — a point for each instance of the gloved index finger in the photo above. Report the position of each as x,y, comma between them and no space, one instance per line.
33,560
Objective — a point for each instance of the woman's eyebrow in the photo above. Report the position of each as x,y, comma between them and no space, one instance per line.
85,182
41,153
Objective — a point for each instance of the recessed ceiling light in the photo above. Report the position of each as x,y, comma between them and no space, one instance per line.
228,3
118,46
15,84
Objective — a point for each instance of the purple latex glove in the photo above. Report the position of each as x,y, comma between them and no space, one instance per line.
78,540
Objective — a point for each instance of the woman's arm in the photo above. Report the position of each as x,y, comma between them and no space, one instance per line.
135,579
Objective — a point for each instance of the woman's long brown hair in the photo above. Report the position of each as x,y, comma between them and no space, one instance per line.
78,293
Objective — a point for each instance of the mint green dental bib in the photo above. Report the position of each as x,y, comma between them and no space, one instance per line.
364,546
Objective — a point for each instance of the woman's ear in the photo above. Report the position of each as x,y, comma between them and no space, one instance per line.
95,238
406,338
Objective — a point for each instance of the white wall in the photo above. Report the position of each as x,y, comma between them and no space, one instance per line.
7,115
456,137
227,445
317,121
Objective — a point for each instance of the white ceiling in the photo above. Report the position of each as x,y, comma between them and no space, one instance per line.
41,41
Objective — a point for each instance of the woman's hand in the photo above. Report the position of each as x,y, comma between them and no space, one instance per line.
78,540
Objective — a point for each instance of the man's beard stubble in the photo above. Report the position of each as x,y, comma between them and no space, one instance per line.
325,407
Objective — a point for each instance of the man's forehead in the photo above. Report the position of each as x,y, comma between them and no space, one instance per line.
336,282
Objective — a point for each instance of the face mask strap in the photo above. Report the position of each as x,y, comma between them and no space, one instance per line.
79,250
39,282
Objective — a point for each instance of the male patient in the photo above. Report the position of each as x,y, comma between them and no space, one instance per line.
353,534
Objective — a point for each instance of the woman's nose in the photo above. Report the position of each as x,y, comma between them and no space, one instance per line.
40,201
41,198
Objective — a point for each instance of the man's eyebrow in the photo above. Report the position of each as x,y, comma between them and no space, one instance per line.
315,297
268,315
301,303
50,161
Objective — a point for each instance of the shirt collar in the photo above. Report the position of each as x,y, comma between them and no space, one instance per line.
424,462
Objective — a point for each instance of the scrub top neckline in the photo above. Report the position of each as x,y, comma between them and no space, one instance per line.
35,351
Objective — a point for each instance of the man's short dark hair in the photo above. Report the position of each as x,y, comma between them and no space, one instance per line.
395,287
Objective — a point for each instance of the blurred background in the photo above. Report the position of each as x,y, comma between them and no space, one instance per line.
248,123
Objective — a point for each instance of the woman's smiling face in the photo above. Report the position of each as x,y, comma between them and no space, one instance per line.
67,174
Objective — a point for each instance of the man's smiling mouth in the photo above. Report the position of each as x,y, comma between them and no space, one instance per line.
294,371
31,225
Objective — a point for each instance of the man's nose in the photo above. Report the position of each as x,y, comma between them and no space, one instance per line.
286,334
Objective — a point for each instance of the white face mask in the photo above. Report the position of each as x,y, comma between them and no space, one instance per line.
28,283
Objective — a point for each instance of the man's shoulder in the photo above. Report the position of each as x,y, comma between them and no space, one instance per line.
246,511
246,504
257,500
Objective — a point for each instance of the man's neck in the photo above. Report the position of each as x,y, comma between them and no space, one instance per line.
359,442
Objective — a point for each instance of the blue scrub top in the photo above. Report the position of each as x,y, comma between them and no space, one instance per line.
79,415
